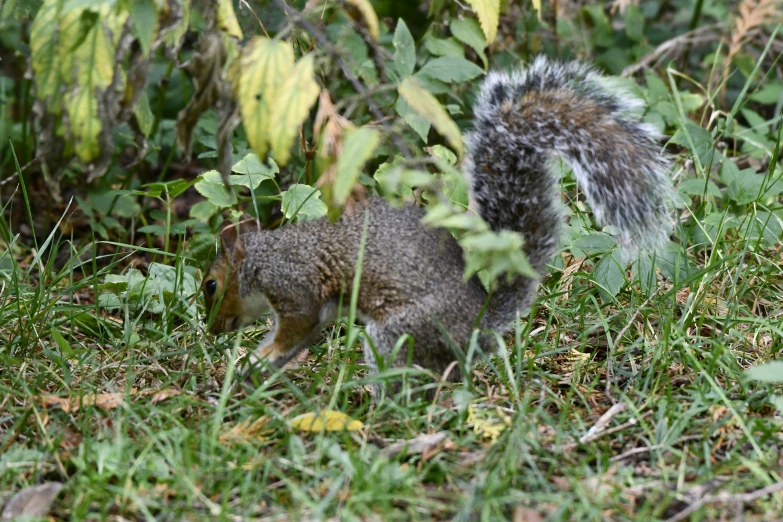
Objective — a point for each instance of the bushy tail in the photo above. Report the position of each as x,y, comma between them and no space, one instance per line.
570,110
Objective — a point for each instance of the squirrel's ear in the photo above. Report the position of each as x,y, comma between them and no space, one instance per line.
230,238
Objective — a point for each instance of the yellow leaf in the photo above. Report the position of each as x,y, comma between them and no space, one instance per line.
368,13
86,124
423,102
328,420
43,49
488,12
227,19
290,108
537,7
264,65
485,424
246,432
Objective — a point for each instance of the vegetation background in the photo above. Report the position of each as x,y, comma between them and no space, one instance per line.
636,388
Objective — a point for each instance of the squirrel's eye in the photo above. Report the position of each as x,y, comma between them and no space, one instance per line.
210,286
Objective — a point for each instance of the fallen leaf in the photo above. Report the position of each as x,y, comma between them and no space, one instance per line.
415,445
328,420
164,394
106,401
523,514
245,432
31,502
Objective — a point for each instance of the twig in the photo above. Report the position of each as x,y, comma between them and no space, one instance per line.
725,497
377,52
602,422
357,85
594,437
655,447
677,43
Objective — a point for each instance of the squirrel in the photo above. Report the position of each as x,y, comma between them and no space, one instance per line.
412,275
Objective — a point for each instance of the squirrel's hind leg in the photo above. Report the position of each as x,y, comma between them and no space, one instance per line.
404,339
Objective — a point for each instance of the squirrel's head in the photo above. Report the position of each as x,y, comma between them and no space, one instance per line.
220,286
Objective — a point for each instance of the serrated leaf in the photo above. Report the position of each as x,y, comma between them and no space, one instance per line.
488,12
296,96
227,19
404,49
328,420
450,69
430,108
768,372
358,146
264,66
468,32
303,202
368,13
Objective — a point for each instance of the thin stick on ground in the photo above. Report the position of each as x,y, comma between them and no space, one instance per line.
724,497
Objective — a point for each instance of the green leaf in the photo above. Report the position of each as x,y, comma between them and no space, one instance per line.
595,242
144,17
468,32
417,122
609,274
296,96
450,69
303,202
488,12
444,47
358,146
778,402
143,113
203,210
697,187
634,23
264,65
700,143
211,187
768,372
404,49
62,343
252,172
430,108
769,94
497,253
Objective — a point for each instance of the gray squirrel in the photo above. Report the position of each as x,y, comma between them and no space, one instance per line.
412,275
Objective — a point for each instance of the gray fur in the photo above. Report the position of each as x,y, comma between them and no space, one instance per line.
412,277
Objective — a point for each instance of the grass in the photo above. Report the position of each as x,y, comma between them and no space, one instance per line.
174,436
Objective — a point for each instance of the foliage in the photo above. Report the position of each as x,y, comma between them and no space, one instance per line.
131,110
